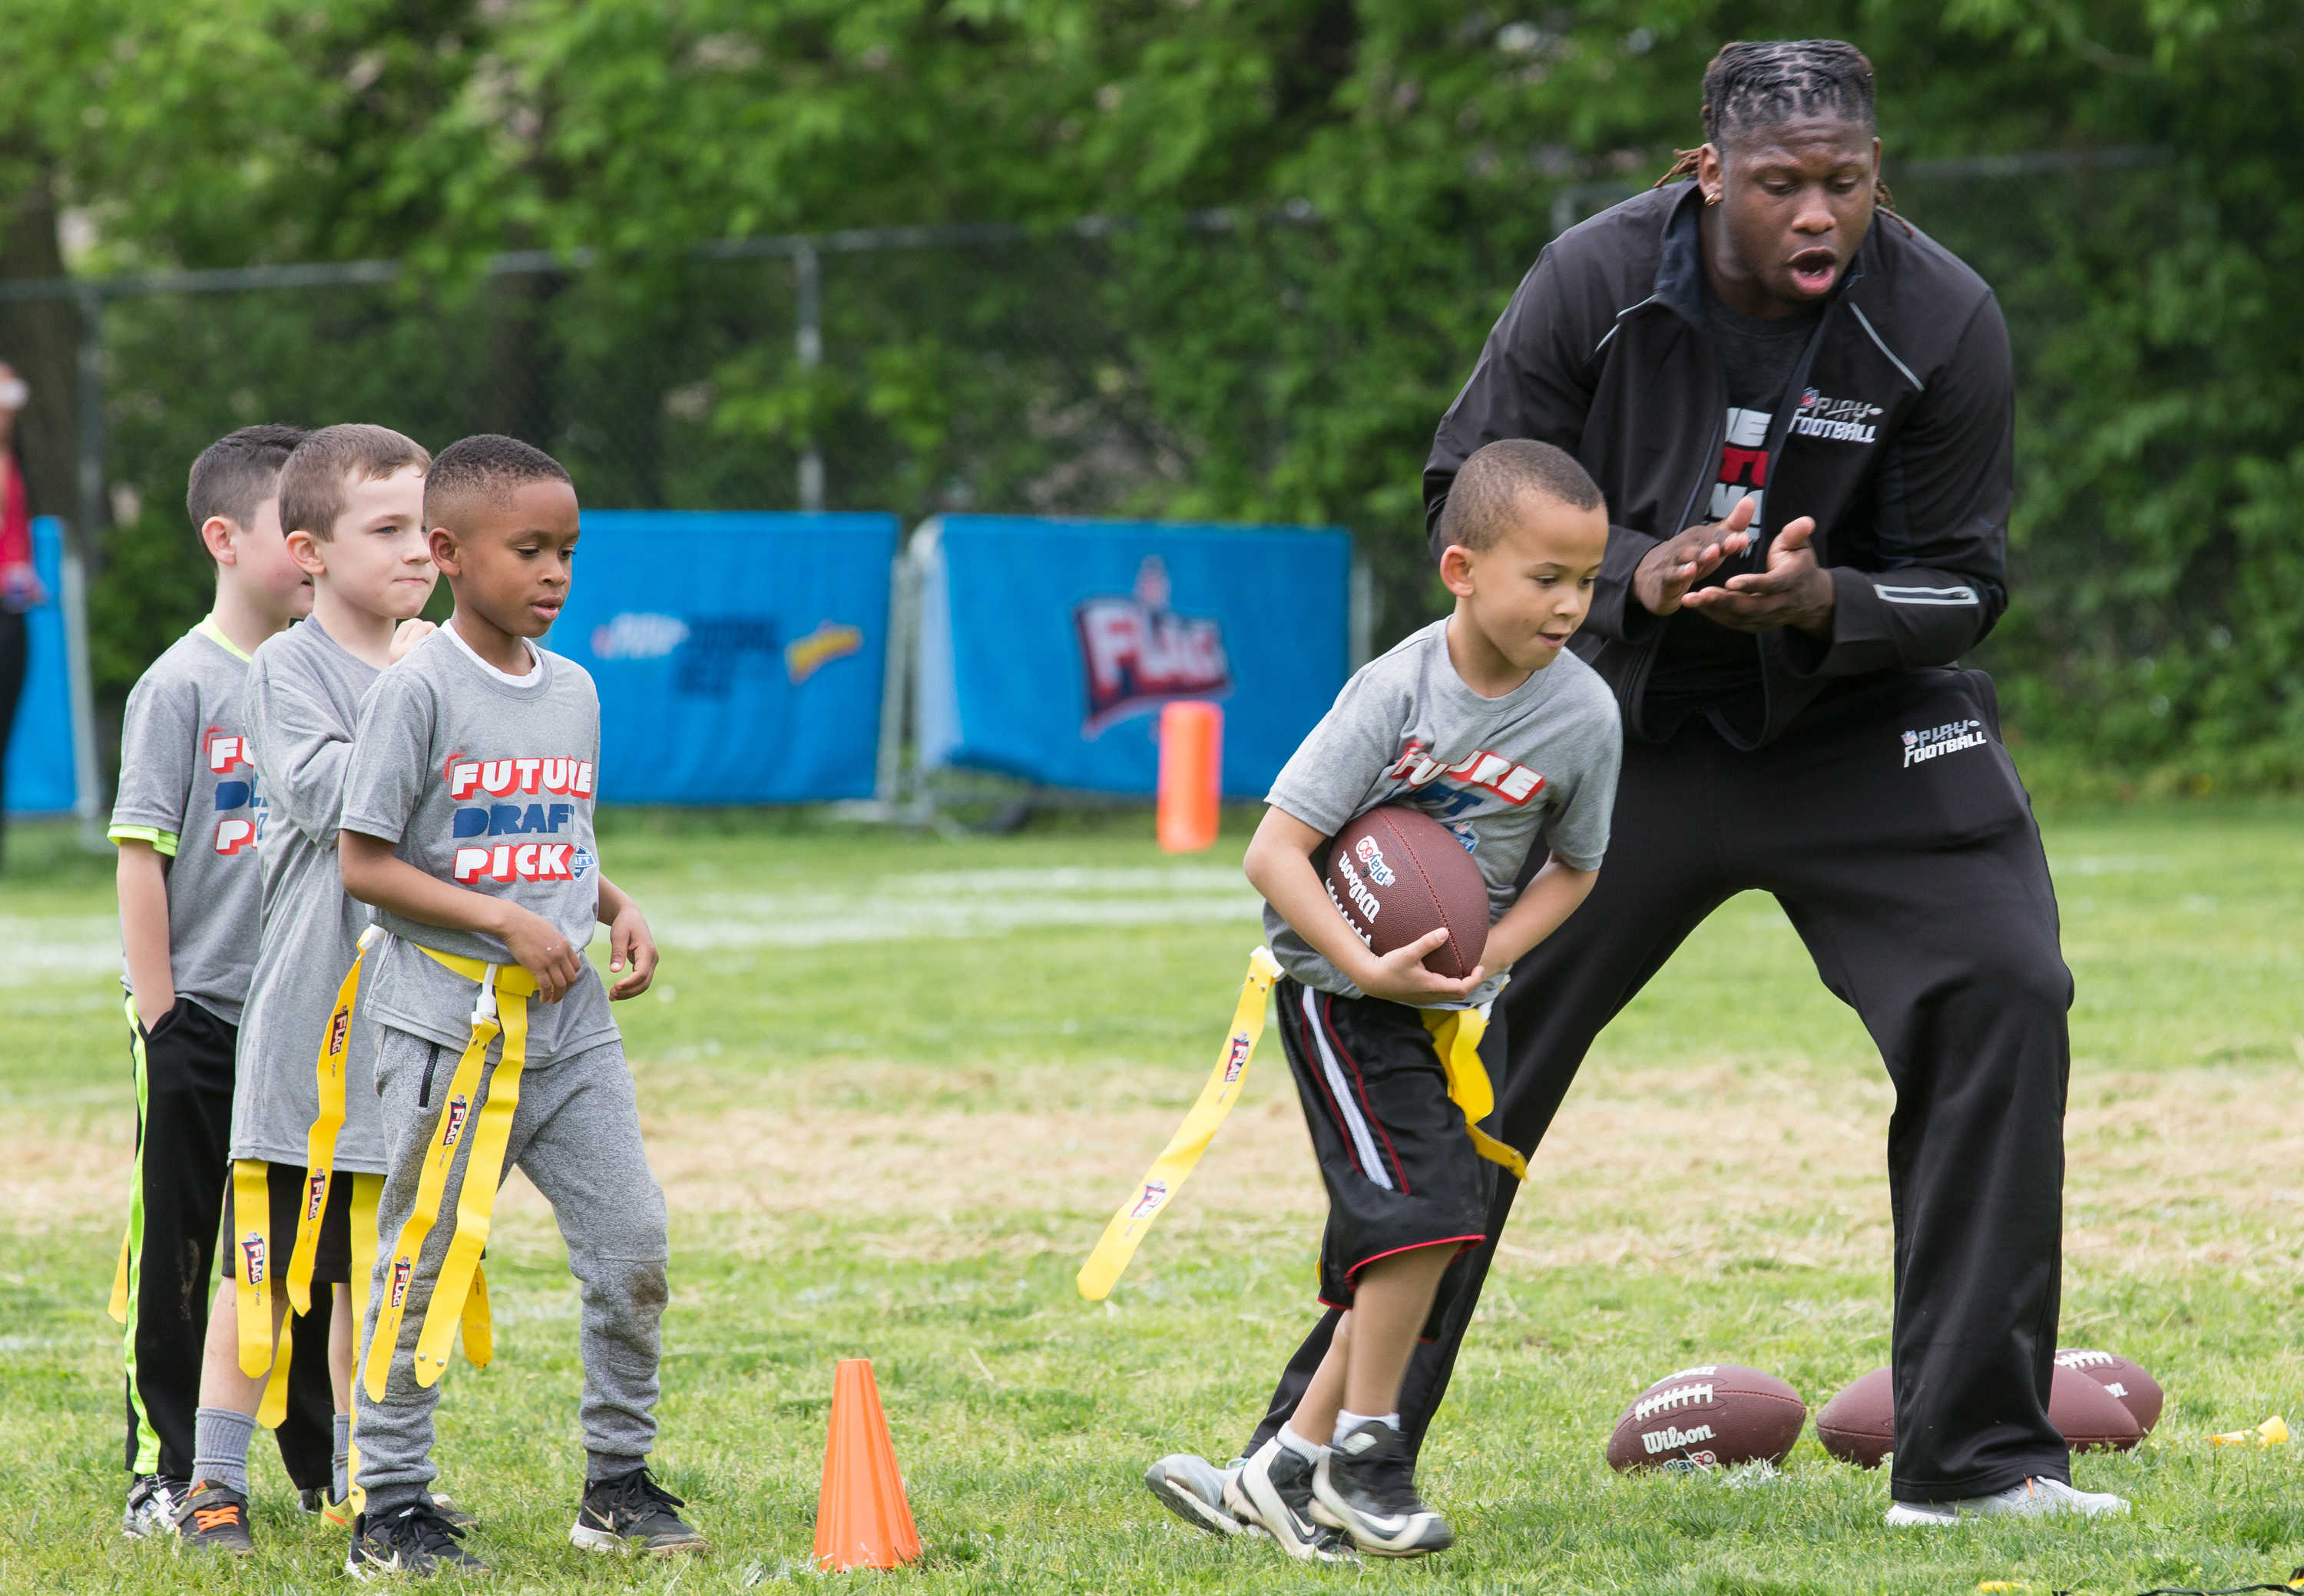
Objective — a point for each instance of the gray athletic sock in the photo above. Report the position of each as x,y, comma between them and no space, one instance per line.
340,1479
220,1438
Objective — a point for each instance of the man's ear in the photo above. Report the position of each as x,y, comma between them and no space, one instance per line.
1456,570
216,537
304,549
443,544
1711,173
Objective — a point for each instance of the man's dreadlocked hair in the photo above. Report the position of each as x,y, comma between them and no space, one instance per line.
1753,86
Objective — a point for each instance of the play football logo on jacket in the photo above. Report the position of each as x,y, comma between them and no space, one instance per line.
1139,654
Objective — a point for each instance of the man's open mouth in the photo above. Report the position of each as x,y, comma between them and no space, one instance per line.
1813,270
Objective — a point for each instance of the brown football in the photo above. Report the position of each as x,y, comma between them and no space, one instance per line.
1858,1426
1714,1414
1396,873
2125,1378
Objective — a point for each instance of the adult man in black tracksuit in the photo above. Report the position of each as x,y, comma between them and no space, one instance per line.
1820,397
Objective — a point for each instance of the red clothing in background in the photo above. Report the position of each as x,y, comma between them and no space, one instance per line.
15,523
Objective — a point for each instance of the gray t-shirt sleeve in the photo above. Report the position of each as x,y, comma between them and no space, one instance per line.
391,751
1577,830
1329,777
303,752
160,735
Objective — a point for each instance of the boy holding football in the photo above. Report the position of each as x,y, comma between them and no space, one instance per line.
1486,723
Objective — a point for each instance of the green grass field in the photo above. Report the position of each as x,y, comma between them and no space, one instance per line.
895,1085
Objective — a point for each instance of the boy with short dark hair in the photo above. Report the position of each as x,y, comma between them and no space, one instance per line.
1380,1045
308,1150
467,825
187,821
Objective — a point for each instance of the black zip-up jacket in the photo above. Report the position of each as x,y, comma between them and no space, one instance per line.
1896,433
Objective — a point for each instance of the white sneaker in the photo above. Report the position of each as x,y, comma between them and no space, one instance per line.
1193,1490
2037,1498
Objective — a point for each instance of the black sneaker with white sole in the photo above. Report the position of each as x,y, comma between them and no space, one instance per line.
1366,1487
1273,1490
213,1517
416,1539
152,1503
1193,1490
631,1509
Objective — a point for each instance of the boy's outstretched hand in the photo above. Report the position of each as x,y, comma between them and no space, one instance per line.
631,948
1400,976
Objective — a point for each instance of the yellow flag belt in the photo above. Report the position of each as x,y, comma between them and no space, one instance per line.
461,1290
1456,1034
1170,1170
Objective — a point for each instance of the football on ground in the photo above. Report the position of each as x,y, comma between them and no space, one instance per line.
1714,1414
2125,1378
1858,1426
1396,873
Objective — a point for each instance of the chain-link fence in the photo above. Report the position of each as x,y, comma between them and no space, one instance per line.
1097,369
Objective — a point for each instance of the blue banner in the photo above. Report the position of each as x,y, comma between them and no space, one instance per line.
39,752
739,656
1048,647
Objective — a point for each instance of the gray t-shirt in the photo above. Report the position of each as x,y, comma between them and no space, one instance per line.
303,700
486,783
1494,771
187,788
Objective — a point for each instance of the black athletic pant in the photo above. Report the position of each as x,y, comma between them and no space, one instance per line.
184,1133
1889,823
15,655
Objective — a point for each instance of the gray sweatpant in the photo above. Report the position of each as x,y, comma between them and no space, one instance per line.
576,1134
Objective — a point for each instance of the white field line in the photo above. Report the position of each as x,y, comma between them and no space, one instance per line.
930,905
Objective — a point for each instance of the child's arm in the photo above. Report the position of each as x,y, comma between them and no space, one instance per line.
1280,867
376,876
631,944
1547,900
303,752
143,876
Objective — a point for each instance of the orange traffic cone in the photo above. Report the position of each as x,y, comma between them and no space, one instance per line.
862,1520
1192,776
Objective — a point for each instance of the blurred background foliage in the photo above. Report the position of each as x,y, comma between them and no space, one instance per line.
1386,171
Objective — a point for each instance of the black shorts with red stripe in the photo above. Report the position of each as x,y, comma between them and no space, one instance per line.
1401,1171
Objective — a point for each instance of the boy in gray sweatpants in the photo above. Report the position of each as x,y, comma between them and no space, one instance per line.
467,824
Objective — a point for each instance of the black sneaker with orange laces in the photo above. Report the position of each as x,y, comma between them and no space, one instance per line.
214,1517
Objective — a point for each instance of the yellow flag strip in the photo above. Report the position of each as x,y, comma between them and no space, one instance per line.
483,1167
320,1140
1456,1034
251,1262
1152,1193
367,1192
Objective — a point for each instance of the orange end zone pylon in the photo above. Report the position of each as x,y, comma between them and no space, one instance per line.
862,1520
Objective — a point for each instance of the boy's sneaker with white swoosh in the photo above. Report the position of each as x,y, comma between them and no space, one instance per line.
1366,1487
1273,1488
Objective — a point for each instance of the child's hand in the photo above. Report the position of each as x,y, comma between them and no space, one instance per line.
1400,976
407,635
631,946
543,952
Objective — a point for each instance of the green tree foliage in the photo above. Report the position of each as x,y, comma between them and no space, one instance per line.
1391,168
